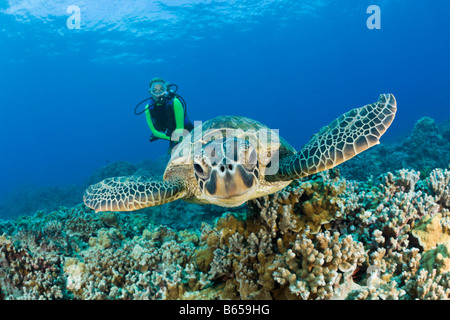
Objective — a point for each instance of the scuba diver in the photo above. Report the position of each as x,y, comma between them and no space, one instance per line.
166,113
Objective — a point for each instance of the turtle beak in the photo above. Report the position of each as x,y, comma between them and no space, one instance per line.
227,172
230,185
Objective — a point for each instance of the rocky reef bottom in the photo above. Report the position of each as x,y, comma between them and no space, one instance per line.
324,237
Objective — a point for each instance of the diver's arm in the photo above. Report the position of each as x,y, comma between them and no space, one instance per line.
155,132
179,114
178,110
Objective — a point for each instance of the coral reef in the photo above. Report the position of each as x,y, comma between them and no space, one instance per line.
324,237
382,233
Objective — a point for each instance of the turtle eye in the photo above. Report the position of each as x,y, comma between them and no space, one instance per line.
200,170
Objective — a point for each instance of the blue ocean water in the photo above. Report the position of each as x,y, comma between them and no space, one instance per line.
67,94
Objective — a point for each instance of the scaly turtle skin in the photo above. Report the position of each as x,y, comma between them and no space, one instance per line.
229,160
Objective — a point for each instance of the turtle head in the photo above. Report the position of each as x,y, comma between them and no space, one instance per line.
227,171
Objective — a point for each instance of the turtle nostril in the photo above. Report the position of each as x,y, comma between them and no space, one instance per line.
222,168
230,167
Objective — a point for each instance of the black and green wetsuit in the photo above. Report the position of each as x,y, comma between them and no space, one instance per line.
166,116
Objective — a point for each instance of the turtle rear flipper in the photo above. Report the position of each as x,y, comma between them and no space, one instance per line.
350,134
131,193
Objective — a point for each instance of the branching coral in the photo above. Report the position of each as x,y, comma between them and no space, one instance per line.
439,183
141,268
24,276
322,238
308,205
274,253
315,268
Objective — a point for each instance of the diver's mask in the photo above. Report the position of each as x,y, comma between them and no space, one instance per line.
158,89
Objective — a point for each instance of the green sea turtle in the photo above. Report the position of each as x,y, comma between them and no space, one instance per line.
229,160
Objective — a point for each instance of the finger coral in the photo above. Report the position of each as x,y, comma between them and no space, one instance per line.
319,238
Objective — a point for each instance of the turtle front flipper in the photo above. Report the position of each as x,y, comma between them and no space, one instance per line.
131,193
344,138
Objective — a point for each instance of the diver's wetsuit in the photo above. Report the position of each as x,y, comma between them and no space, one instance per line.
165,117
